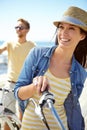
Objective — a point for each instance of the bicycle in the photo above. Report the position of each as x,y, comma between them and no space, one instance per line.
47,100
6,115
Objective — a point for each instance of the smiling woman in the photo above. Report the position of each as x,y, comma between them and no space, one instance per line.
59,69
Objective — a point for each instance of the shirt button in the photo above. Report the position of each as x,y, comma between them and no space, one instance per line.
74,95
72,84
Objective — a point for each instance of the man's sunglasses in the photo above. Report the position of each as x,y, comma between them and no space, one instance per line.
20,27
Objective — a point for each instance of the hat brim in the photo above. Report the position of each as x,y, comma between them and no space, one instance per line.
71,20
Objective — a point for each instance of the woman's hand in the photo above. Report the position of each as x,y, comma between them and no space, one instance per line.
41,83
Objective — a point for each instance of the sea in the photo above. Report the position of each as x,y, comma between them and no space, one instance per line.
4,58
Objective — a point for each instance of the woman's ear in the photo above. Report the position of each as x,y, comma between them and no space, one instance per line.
83,36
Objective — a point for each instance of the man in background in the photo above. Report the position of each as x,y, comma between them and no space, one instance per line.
17,52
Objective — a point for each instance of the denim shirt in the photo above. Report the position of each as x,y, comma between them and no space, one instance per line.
36,64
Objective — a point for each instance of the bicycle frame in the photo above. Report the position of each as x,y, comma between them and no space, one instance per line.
6,115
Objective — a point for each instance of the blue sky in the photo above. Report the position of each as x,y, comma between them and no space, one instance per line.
40,14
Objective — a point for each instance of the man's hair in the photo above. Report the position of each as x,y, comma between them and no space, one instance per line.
27,24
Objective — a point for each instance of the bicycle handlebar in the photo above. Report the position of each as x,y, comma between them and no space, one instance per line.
47,100
6,90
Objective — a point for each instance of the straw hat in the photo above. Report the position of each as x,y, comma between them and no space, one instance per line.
74,15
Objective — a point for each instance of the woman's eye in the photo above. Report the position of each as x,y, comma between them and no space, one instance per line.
72,28
60,27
